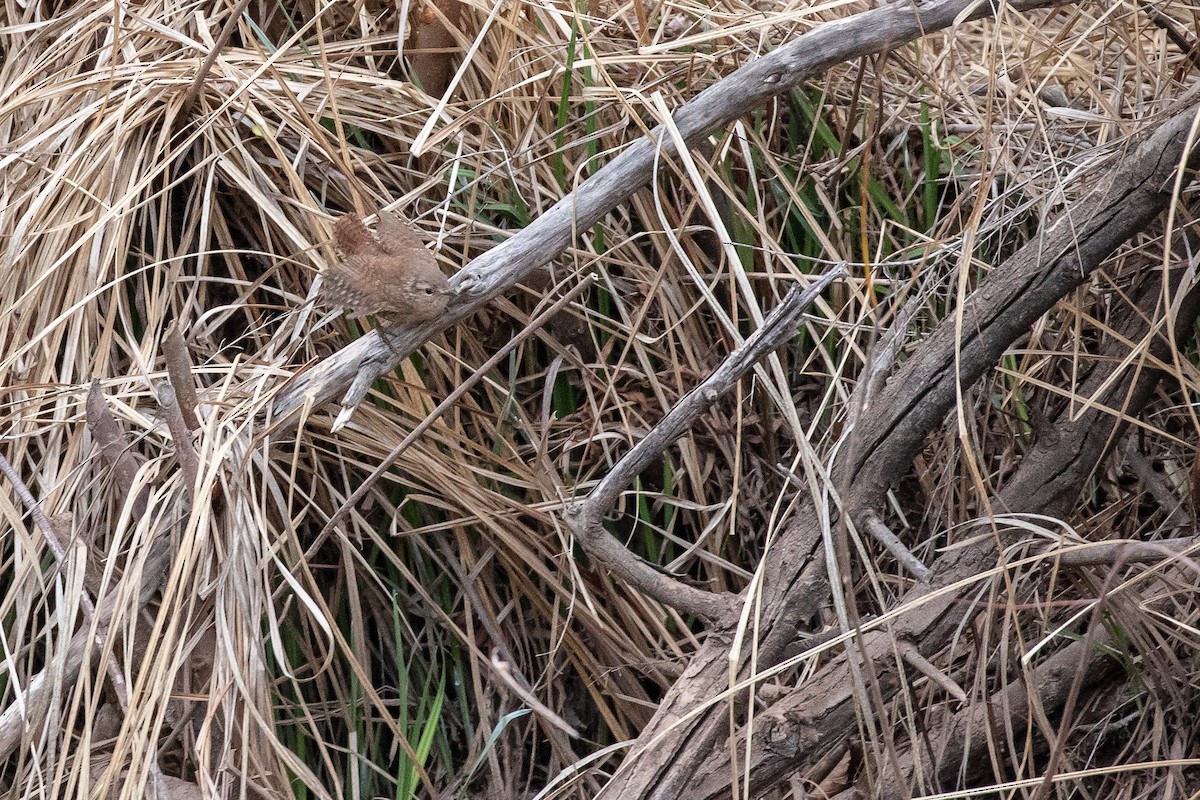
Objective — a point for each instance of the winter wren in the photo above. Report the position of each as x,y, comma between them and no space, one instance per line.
392,277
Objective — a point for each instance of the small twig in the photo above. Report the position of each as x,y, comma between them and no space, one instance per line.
357,391
179,373
883,534
189,462
585,518
914,659
1129,551
218,45
43,523
878,531
503,669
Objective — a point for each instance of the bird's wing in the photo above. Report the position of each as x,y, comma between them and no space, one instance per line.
399,238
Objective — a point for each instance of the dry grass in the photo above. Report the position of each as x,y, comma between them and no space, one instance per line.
283,659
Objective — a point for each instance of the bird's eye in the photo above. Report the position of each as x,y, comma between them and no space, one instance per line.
428,290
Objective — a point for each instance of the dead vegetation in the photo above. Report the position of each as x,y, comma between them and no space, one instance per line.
213,590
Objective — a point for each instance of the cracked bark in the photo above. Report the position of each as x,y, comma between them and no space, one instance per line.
678,752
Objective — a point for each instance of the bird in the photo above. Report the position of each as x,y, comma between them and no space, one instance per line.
392,277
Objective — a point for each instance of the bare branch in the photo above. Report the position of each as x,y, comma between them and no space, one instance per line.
497,270
882,534
1029,283
586,518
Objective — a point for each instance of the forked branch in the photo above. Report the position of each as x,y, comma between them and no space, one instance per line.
586,518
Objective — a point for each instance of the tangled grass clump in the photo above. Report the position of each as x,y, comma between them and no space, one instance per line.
170,173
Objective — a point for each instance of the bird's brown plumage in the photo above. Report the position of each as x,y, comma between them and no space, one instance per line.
392,277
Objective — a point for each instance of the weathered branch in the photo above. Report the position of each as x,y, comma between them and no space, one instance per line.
820,712
1073,449
797,731
875,31
1026,286
586,518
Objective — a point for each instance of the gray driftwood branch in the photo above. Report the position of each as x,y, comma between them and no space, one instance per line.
748,88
